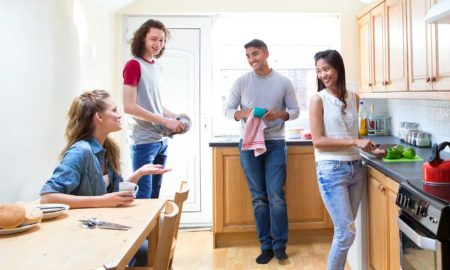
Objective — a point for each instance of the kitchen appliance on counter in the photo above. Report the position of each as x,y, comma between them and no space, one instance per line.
436,170
424,224
378,125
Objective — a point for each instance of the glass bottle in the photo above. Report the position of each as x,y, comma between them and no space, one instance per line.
362,120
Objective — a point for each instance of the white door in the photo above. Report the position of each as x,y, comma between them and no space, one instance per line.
187,79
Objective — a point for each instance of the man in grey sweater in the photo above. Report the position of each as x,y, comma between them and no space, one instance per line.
265,174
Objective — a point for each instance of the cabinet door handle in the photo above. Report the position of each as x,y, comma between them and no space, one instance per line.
428,79
386,83
370,84
433,79
381,187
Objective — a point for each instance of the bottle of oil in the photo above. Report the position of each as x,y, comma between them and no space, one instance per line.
362,119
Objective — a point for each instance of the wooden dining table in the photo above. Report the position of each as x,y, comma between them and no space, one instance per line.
63,243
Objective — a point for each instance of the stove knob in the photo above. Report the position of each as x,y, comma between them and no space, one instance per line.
406,202
433,220
399,199
418,210
424,213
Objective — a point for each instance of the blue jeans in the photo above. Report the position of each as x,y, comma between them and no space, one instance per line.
340,184
266,175
149,153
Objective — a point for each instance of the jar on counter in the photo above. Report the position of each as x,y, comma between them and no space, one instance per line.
423,139
405,130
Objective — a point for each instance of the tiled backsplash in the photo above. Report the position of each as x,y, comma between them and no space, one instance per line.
433,116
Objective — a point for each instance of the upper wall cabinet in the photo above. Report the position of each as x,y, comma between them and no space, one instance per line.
383,50
396,78
365,55
400,55
429,50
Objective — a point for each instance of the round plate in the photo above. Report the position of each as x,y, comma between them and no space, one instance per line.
52,210
18,229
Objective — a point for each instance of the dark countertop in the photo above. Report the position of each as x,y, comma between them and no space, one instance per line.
233,141
408,171
397,171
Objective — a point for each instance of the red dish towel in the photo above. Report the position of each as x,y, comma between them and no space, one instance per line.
254,135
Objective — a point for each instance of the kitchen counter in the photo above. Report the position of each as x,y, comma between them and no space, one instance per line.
407,171
233,141
398,171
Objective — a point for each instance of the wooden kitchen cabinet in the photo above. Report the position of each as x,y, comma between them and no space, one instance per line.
429,50
402,56
365,55
233,212
383,50
384,243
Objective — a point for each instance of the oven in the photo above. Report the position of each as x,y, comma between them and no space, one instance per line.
424,230
420,249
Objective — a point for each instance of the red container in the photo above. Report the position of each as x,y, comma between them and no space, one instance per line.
437,170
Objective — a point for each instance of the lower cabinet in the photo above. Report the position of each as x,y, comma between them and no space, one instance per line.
384,243
233,212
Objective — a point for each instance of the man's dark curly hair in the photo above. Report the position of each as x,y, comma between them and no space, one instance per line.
138,40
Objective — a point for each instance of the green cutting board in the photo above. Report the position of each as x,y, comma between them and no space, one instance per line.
415,159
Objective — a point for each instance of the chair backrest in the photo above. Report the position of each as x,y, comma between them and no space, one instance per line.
180,197
164,246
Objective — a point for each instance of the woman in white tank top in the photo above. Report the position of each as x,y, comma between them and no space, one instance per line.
333,114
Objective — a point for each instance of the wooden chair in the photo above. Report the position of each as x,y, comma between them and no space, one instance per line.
180,197
164,248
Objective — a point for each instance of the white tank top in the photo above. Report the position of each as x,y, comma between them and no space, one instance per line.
339,126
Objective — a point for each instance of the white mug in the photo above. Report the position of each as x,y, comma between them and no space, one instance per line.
129,186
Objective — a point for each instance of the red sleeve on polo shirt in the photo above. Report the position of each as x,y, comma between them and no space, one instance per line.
131,73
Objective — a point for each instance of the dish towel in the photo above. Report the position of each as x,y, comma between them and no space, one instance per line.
254,135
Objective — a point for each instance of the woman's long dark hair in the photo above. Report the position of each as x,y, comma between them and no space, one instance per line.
80,125
334,59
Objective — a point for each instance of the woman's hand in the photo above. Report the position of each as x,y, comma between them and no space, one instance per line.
117,198
366,145
152,169
378,152
146,170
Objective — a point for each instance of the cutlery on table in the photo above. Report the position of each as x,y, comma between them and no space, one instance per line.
95,222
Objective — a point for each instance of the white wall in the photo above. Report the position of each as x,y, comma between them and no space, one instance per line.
432,115
44,65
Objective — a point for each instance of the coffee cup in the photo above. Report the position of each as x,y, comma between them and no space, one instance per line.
129,186
259,112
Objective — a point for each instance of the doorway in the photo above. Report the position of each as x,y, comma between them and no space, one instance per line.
185,88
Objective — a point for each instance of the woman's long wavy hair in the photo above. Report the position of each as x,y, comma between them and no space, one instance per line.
138,40
334,59
80,125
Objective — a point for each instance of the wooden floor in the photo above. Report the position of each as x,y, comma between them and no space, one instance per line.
194,251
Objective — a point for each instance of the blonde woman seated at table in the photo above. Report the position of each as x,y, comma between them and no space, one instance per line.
89,172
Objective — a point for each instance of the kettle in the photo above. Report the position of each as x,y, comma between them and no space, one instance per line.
436,170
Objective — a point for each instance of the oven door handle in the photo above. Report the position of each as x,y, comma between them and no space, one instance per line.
420,240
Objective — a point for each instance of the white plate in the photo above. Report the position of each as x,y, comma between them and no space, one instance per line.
50,213
18,229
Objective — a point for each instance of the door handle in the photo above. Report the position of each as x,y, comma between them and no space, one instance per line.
420,240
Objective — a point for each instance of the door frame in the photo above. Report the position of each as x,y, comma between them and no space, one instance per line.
204,23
